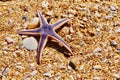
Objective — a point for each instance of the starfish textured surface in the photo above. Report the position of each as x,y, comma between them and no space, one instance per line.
44,31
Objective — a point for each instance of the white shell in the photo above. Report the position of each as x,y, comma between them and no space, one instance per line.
47,74
96,50
30,43
45,4
9,40
33,73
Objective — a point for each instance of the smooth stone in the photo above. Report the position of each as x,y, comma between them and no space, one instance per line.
50,13
6,71
9,40
97,67
33,23
33,73
114,43
117,30
30,43
113,8
96,50
10,23
47,74
45,4
107,17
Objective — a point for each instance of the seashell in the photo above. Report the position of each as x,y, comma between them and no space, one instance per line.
117,30
33,73
45,4
113,8
30,43
97,67
47,74
96,50
32,24
49,13
10,23
9,40
113,43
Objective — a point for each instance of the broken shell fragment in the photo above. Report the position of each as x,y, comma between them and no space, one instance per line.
9,40
45,4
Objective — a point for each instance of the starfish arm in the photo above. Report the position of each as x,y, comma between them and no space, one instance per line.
59,23
43,22
41,45
59,39
33,32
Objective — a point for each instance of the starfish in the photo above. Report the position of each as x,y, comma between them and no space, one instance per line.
44,31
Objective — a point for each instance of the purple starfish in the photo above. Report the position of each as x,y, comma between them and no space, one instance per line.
46,30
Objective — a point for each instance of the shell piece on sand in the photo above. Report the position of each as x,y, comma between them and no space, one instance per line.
9,40
33,23
30,43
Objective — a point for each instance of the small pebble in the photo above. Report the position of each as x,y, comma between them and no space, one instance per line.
82,67
33,73
71,15
9,40
116,75
84,19
5,71
116,61
30,43
78,76
45,4
4,43
27,79
97,0
10,23
61,67
97,67
25,25
50,13
104,44
17,73
71,11
96,78
114,43
10,10
49,66
32,64
17,47
117,30
33,23
97,14
96,50
71,30
107,17
19,67
47,74
72,78
113,8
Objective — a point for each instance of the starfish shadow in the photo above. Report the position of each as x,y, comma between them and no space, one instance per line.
58,48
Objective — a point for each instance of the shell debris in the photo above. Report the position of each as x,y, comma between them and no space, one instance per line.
9,40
